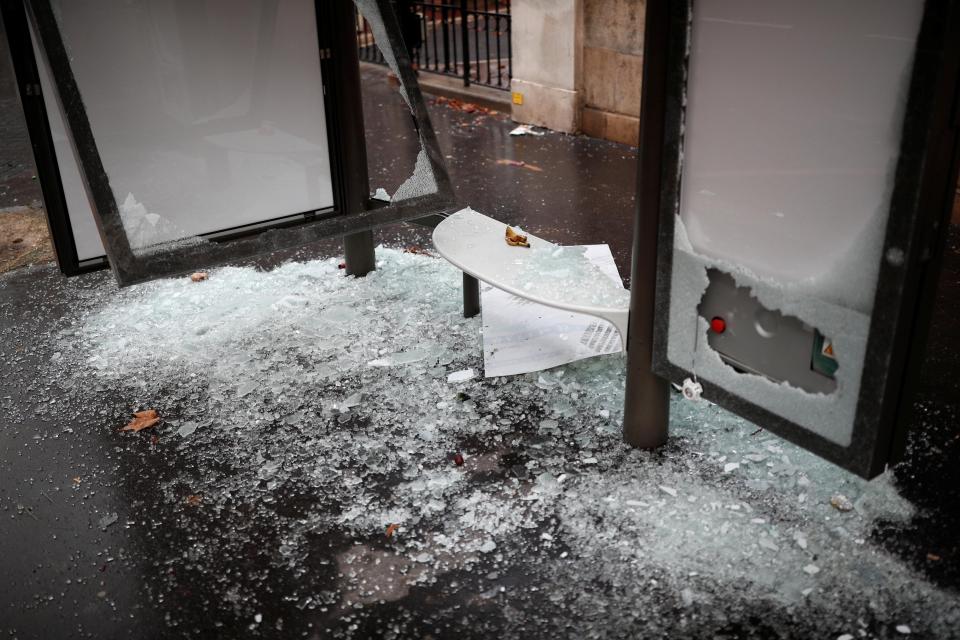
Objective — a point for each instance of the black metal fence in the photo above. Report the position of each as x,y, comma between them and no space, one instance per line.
468,39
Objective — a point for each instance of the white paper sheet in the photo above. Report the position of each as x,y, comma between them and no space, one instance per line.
520,336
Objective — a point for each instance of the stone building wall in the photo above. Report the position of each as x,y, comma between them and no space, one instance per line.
547,48
612,69
577,65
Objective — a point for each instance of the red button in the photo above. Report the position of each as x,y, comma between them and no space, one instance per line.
718,325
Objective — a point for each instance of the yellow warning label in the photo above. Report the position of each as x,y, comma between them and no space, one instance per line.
517,97
827,349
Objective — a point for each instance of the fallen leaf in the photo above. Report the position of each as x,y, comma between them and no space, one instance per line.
142,420
391,529
199,276
519,163
417,250
932,557
515,239
76,480
466,107
194,500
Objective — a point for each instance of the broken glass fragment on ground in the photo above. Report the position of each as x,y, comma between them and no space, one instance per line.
107,520
461,376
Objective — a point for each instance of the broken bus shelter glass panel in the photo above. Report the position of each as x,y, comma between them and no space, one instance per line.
195,124
799,133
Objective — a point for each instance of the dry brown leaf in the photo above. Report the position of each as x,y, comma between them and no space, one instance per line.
391,529
519,163
932,557
515,239
142,420
466,107
199,276
416,249
194,500
76,480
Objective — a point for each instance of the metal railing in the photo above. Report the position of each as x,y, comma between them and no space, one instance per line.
468,39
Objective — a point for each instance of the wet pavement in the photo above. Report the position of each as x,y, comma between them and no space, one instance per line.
271,519
570,189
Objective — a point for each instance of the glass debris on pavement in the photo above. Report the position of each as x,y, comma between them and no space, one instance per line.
312,412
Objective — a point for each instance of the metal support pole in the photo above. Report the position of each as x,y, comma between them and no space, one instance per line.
646,412
445,23
465,46
347,97
359,254
471,296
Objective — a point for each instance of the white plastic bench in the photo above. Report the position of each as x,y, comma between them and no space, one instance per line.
545,273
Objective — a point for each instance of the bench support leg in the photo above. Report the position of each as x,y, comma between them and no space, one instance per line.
358,253
471,296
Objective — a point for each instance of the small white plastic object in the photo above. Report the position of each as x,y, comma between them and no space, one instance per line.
691,389
525,130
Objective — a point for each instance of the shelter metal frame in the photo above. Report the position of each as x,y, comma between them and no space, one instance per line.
920,209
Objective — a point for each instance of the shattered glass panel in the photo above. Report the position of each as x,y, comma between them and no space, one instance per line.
397,152
791,139
207,115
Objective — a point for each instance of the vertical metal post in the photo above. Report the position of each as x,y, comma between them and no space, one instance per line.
336,24
509,44
471,296
445,23
497,24
465,45
486,39
646,413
